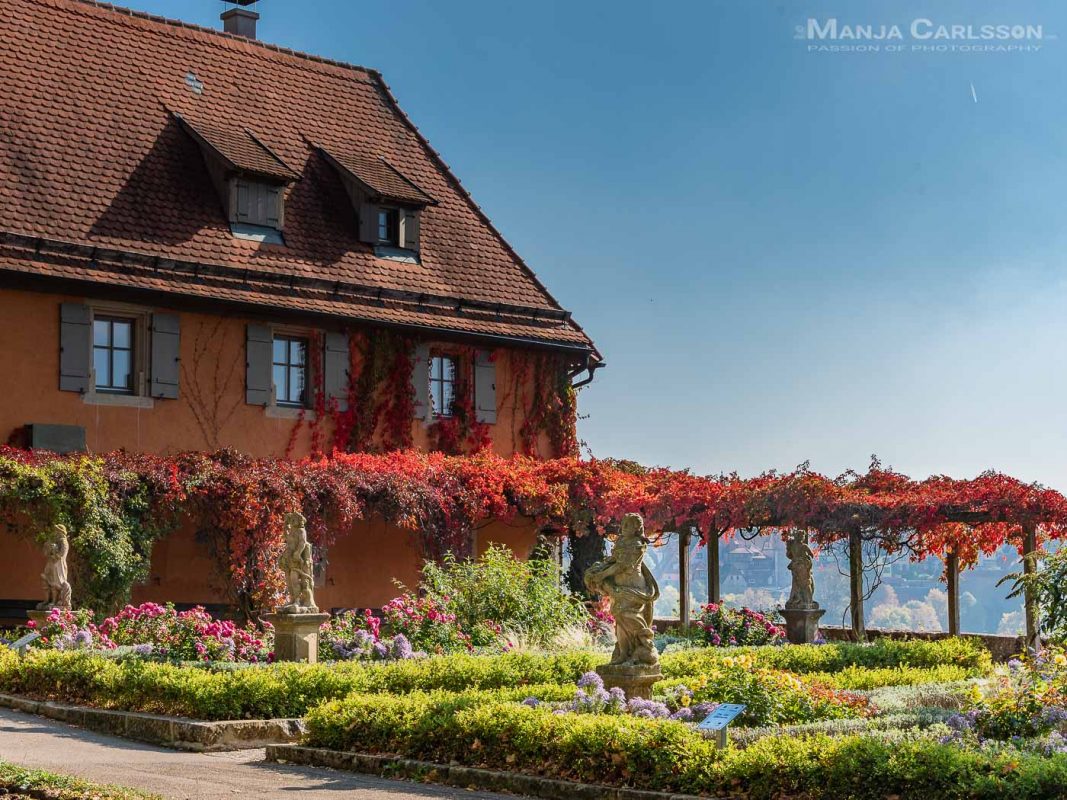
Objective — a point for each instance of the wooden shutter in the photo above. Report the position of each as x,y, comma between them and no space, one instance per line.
368,223
243,210
166,344
420,382
75,347
410,232
485,386
335,369
272,202
259,345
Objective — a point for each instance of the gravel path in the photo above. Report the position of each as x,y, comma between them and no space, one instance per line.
45,744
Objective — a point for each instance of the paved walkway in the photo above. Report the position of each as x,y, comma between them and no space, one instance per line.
45,744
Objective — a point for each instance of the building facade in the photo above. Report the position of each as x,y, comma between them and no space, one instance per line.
210,242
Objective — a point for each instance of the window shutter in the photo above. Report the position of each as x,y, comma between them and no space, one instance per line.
368,223
244,201
75,347
411,230
273,200
166,343
259,345
420,381
485,386
335,369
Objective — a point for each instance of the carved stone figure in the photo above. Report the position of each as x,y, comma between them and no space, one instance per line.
633,590
297,564
55,570
801,559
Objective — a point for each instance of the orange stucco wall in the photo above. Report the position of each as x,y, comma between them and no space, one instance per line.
210,413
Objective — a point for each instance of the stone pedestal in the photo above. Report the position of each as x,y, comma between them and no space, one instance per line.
635,680
296,636
801,624
39,617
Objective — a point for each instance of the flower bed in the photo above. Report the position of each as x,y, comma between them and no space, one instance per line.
728,627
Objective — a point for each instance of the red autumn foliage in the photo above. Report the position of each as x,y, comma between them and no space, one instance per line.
241,501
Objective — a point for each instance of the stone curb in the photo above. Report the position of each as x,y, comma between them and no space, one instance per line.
463,777
174,732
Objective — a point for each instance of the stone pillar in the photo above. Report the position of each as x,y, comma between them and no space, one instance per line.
714,595
1033,623
683,577
952,581
296,636
855,581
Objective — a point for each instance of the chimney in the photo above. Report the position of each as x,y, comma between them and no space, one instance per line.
240,21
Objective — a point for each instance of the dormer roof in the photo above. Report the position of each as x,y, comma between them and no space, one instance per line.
380,179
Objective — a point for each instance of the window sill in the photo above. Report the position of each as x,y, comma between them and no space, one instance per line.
288,412
390,253
118,400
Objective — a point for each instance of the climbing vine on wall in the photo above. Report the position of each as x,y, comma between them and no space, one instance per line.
545,402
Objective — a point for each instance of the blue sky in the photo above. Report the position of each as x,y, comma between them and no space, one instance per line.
784,255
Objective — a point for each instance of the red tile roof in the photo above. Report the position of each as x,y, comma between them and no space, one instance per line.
93,160
242,150
380,177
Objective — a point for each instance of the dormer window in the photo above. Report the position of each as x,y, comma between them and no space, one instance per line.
388,205
250,177
388,227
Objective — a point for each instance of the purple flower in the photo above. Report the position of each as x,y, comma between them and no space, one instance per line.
685,714
531,702
701,710
143,649
401,648
591,679
617,695
83,638
380,650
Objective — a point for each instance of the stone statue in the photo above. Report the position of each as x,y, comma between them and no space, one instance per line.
55,570
297,564
633,590
802,594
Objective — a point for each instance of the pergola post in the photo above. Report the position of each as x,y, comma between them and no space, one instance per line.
855,581
1033,629
952,581
683,577
713,566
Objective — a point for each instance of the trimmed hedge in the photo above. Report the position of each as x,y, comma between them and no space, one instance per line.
673,757
17,780
865,679
808,658
269,691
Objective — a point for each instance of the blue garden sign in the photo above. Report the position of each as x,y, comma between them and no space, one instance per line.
722,716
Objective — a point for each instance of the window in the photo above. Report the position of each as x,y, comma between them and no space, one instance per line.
113,354
389,227
290,371
442,385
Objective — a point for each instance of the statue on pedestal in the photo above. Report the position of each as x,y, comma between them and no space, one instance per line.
625,578
299,568
55,570
801,612
801,561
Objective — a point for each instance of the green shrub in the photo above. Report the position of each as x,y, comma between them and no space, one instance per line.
523,597
19,780
673,757
257,692
965,653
